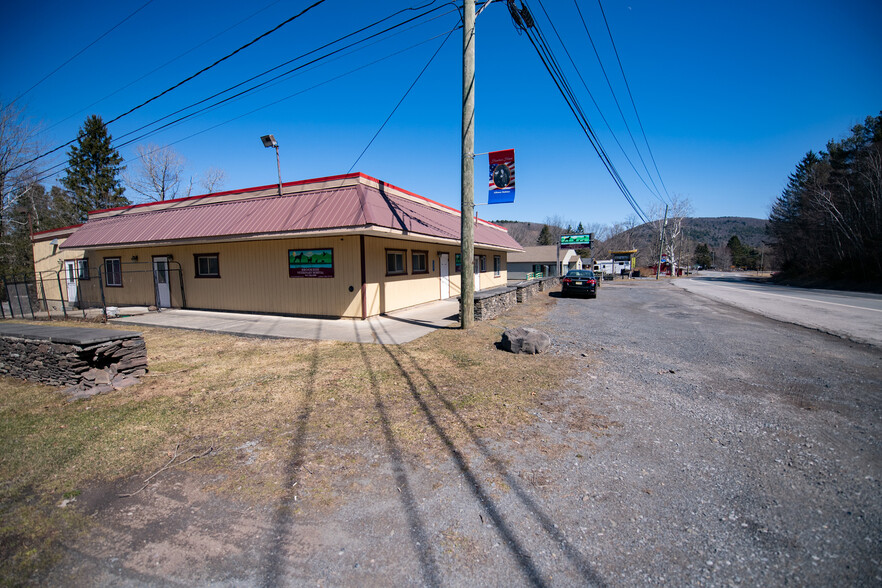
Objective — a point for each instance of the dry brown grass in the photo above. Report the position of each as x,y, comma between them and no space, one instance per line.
273,410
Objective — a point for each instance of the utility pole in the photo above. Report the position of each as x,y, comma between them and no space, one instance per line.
467,232
661,242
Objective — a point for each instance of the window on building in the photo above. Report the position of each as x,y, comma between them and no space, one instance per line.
457,263
395,262
497,265
113,272
418,262
207,265
481,263
82,269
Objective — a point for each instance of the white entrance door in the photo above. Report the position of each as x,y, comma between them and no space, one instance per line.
70,273
160,279
445,276
477,273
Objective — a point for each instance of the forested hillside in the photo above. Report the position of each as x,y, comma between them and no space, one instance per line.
715,232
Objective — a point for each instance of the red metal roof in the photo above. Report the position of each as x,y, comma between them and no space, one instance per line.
355,202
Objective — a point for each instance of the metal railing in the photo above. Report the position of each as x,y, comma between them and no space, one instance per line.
74,291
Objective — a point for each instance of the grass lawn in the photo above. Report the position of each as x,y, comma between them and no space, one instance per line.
214,396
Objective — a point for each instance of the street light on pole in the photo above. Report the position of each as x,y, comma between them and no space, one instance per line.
270,141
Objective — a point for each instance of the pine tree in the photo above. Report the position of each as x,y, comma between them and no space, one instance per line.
94,170
544,236
736,250
703,256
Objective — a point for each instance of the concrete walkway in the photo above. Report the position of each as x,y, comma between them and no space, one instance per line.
394,328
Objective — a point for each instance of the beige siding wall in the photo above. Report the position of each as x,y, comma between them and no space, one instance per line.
48,260
388,293
254,277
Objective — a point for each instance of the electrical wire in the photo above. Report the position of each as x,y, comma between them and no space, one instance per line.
382,126
81,51
654,188
45,174
549,61
240,94
184,81
622,69
282,75
159,67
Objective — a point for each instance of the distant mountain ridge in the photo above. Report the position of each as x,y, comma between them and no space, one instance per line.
714,231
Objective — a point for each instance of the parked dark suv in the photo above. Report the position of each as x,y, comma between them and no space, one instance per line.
579,282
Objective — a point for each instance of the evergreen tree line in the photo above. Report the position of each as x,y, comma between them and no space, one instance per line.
827,223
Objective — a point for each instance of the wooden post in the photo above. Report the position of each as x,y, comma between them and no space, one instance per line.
467,233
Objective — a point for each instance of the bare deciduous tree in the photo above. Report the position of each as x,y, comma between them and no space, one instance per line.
160,175
522,233
18,145
680,209
213,179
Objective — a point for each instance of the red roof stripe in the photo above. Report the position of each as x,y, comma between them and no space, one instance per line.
58,229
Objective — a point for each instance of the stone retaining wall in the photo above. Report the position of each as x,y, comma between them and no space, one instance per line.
549,284
491,303
526,290
88,364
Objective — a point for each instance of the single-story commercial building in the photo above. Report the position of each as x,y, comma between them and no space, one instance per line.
541,260
343,246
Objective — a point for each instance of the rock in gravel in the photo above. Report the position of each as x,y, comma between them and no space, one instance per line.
524,340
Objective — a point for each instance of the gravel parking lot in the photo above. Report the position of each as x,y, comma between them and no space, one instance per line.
747,451
694,444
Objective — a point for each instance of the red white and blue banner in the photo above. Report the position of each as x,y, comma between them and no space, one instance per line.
502,177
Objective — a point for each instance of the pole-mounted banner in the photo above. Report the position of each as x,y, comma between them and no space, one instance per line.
502,177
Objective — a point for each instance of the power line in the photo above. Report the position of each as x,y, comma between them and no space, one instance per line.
616,99
185,80
166,64
622,69
653,190
278,76
525,22
240,94
81,51
422,71
44,175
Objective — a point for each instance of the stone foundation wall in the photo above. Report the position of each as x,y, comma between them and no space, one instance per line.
96,367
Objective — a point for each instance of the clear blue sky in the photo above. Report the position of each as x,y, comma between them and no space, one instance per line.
731,95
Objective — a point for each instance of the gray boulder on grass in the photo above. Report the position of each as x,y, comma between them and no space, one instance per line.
524,340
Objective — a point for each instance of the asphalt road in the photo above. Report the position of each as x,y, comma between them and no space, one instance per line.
853,315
